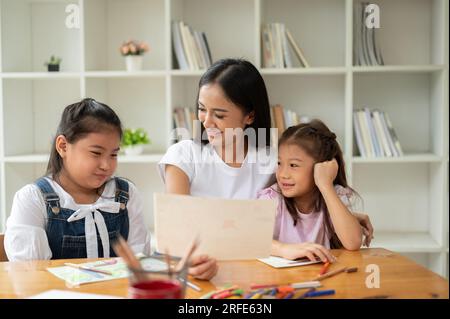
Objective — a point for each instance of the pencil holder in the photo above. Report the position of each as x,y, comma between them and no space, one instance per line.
156,281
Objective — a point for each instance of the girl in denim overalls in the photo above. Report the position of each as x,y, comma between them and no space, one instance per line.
78,208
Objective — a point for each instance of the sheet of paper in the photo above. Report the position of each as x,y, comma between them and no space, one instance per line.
66,294
75,276
227,229
278,262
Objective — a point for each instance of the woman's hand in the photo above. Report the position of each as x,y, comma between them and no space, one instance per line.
325,173
366,226
203,267
309,250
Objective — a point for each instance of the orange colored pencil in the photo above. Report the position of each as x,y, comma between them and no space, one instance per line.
324,268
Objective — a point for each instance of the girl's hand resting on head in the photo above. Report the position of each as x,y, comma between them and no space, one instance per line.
203,267
309,250
325,173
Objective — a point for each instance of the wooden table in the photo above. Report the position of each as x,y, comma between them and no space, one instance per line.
399,277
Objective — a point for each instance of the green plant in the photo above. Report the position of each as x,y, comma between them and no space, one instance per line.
53,61
134,137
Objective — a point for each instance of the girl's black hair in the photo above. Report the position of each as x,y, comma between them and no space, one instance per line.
244,86
316,139
78,120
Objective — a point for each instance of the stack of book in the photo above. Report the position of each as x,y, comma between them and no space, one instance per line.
375,135
190,47
276,52
184,117
282,118
366,51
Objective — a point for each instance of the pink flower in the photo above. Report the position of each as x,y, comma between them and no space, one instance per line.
124,50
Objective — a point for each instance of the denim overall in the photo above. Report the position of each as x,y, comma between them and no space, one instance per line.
68,239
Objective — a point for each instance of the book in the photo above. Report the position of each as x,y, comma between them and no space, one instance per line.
373,135
208,51
186,45
178,46
279,119
365,134
286,53
394,137
297,49
381,133
358,135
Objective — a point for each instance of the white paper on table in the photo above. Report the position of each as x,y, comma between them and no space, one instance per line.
278,262
66,294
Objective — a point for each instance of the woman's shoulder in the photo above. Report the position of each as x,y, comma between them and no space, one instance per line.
271,192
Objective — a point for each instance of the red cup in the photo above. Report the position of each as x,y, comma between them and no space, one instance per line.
155,289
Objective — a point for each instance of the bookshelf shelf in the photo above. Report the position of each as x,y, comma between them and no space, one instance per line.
398,68
304,71
409,158
32,158
124,74
40,75
406,197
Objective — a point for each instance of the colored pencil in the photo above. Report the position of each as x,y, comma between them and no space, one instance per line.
324,268
105,272
332,273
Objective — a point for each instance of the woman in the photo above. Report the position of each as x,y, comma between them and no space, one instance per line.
235,159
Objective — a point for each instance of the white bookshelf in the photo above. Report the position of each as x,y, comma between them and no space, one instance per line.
406,197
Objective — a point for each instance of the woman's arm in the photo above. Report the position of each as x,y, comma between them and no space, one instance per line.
177,182
345,224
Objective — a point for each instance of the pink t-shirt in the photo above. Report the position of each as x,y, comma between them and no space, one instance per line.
309,228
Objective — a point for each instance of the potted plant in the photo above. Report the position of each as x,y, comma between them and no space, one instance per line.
133,141
53,64
133,52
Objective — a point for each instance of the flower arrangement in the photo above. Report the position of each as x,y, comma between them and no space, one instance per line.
133,47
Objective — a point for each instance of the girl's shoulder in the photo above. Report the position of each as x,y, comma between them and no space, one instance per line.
30,192
271,192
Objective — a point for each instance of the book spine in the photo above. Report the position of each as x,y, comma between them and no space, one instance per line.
380,133
394,135
358,136
365,134
373,136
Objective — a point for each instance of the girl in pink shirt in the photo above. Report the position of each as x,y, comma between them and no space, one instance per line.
313,196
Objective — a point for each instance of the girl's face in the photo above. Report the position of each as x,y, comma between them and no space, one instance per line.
217,113
295,172
90,161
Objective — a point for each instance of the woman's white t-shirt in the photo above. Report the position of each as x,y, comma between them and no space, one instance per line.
210,176
26,239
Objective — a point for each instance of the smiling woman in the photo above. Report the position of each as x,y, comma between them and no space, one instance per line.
232,96
60,214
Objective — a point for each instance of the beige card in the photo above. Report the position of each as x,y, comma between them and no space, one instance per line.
227,229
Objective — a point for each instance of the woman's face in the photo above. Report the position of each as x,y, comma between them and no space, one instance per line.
217,113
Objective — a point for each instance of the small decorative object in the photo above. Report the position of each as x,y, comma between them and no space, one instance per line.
53,64
133,52
134,140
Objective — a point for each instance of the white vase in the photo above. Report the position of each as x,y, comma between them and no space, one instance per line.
134,150
133,62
